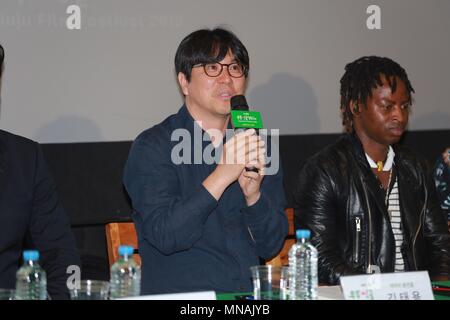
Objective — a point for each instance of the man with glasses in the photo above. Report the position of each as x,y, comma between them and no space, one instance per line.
201,226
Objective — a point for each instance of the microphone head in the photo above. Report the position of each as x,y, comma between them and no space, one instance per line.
238,103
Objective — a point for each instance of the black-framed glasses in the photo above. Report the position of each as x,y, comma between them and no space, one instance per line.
214,69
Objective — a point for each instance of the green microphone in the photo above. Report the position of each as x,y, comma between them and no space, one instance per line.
243,118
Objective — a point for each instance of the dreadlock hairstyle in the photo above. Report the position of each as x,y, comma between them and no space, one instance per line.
363,75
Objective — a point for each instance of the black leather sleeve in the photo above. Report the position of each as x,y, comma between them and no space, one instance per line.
316,203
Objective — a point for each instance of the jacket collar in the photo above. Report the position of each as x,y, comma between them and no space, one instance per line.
400,159
369,178
185,120
359,153
357,149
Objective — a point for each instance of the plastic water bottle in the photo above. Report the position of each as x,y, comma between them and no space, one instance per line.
31,280
125,275
303,268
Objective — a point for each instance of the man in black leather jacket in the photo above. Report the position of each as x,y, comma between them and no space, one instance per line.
371,204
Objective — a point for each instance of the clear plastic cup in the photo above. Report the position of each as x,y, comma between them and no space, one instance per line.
270,282
90,290
7,294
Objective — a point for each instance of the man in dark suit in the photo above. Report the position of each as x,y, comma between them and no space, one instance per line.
31,215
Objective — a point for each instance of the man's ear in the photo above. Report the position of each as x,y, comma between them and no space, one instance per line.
354,108
183,83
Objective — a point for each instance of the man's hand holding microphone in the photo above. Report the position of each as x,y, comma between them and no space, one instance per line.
243,159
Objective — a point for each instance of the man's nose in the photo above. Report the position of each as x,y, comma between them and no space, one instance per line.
224,75
400,114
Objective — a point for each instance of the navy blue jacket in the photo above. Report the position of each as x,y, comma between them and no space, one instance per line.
31,216
188,241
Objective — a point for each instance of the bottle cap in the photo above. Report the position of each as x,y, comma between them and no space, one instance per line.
303,233
32,255
126,250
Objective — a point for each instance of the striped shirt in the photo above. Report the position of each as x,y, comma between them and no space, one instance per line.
396,223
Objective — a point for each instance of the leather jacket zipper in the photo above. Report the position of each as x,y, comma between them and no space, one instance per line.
370,267
421,218
357,236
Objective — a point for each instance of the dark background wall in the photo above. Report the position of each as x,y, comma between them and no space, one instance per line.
89,179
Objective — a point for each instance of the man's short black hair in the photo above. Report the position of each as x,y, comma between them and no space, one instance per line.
363,75
2,55
207,46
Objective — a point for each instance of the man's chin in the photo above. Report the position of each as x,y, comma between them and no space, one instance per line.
395,138
395,133
223,109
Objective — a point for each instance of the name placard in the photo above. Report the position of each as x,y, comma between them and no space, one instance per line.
199,295
388,286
